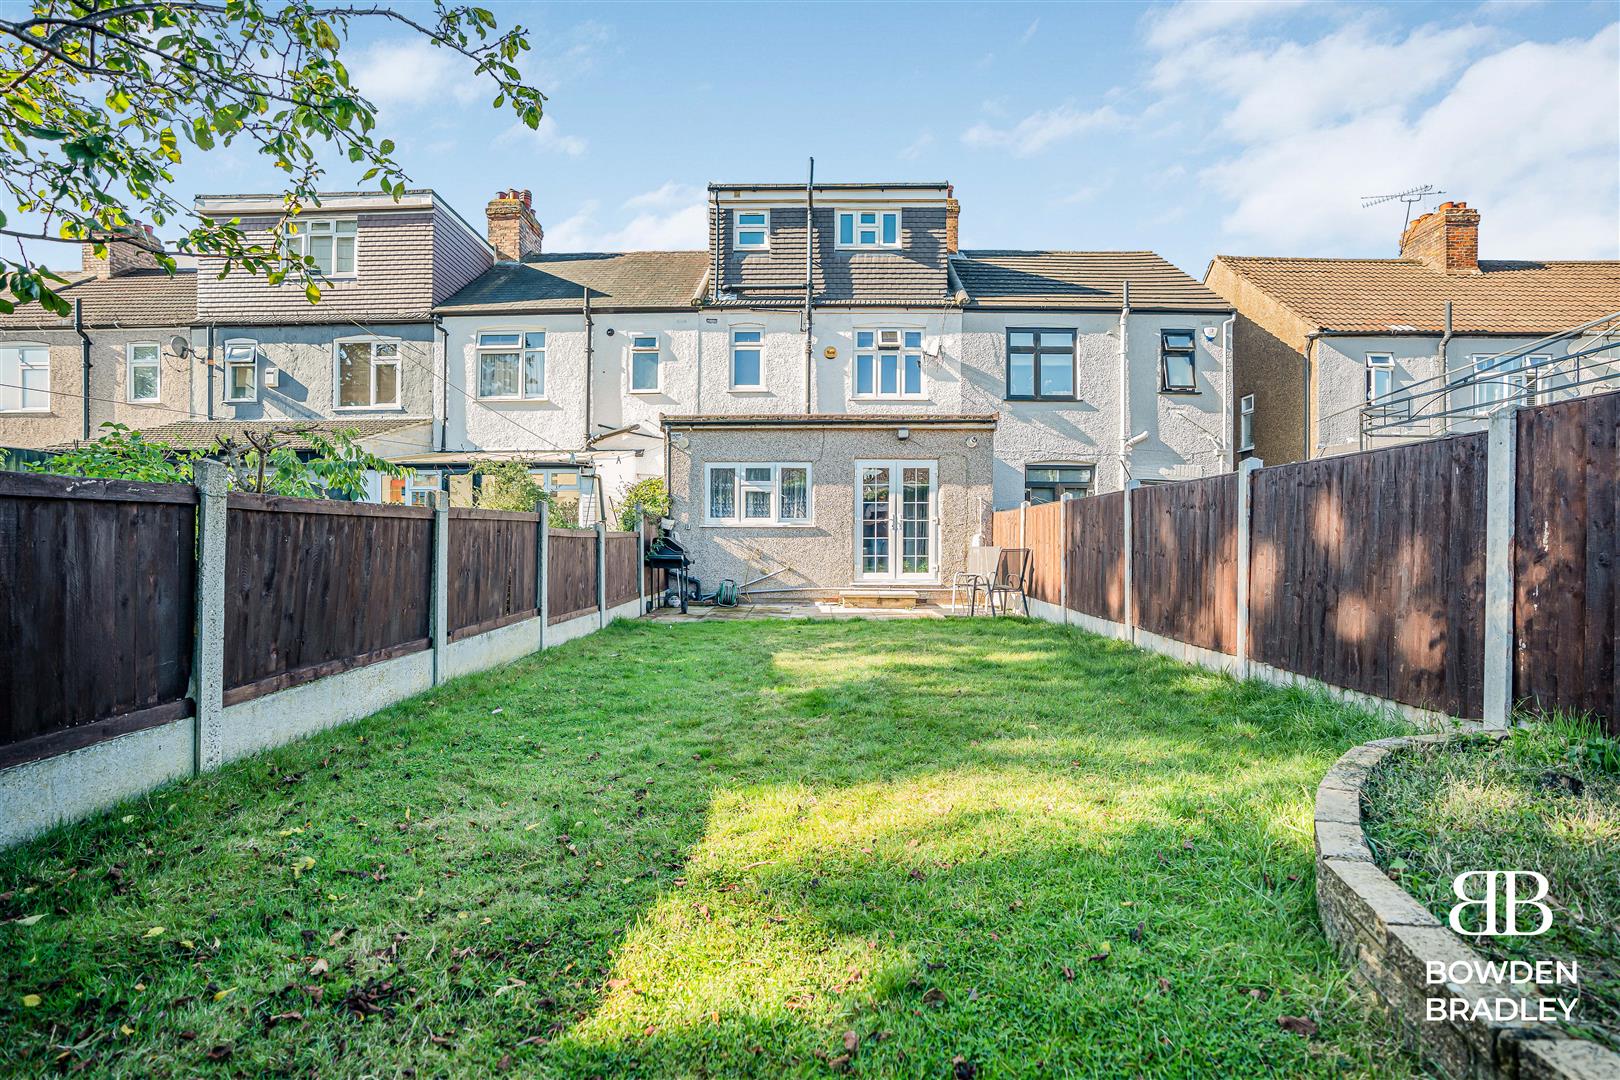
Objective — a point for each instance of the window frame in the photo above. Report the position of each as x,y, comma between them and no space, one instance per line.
1245,423
735,387
226,364
129,371
1035,351
876,352
740,485
523,349
1519,381
1377,363
22,409
397,363
298,243
1165,352
854,244
1060,487
632,351
738,228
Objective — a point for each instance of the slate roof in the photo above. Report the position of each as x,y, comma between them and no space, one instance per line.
201,434
618,281
1381,295
1078,280
140,298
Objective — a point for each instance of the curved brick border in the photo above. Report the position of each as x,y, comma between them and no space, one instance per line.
1387,939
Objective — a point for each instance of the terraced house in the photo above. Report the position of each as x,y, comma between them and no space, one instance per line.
836,392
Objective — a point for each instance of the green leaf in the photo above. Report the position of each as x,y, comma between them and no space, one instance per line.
313,292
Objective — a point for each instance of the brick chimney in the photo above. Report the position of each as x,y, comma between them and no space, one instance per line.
132,253
953,215
1446,240
513,229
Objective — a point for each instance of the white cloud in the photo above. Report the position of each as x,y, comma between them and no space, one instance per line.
1187,22
1029,32
1041,129
547,137
1520,131
671,217
915,148
399,73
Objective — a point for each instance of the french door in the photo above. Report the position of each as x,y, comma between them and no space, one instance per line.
896,527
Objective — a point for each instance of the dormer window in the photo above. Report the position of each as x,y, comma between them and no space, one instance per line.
328,243
868,228
753,230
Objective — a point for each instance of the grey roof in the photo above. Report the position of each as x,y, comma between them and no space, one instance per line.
202,434
617,281
139,298
871,419
1079,280
864,185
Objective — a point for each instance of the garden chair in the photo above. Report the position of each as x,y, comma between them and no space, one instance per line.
1011,578
980,573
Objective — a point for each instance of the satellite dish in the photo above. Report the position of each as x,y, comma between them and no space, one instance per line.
180,346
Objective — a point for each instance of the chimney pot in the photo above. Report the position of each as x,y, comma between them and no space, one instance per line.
1446,239
513,229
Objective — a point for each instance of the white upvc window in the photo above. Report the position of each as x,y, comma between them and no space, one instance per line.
422,487
752,230
512,365
1499,378
646,369
241,371
143,364
25,377
368,374
868,228
1380,375
888,364
1246,422
747,359
328,242
757,494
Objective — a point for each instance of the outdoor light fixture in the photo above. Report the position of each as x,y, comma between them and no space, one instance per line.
903,434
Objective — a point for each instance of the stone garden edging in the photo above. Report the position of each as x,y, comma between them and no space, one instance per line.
1387,939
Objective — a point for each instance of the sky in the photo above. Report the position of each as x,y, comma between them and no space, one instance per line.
1187,128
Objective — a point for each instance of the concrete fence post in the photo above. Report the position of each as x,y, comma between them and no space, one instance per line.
1129,559
1023,524
601,574
1501,468
208,663
440,600
543,574
1245,544
1063,555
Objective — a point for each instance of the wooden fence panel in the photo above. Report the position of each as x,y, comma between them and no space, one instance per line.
1043,535
96,610
1567,544
1368,571
492,568
623,558
571,577
655,579
1095,531
1005,531
315,587
1184,561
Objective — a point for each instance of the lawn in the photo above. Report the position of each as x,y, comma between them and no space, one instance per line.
905,848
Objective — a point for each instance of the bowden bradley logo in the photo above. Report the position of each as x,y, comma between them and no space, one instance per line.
1509,904
1500,896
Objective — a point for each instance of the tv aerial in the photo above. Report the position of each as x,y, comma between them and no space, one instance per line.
1411,197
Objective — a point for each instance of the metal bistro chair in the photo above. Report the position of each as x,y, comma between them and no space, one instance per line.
980,573
1011,577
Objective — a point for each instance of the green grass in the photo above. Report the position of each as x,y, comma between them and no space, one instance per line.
1478,804
714,849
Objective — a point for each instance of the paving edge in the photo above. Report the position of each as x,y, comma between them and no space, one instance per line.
1387,939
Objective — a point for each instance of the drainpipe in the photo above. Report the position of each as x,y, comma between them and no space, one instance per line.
208,396
1445,368
444,383
590,365
809,291
1124,380
1310,345
1227,337
84,364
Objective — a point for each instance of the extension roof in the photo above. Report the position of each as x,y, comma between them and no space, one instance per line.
616,281
137,299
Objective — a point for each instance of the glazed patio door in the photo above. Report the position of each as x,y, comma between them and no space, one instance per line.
895,535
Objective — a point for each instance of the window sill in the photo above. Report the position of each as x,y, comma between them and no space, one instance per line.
1045,400
857,248
758,525
516,400
26,412
906,399
242,401
646,393
368,408
750,390
1179,392
143,401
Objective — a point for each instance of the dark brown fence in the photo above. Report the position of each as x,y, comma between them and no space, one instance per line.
623,561
495,554
1184,561
1043,535
1368,572
1567,547
96,610
1096,537
571,578
315,587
